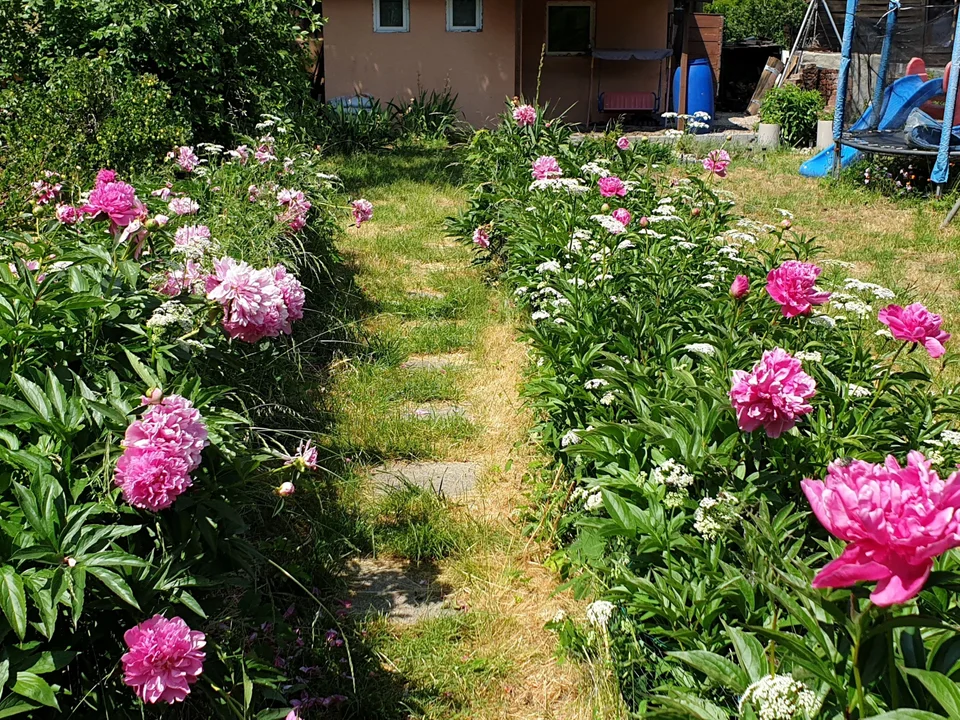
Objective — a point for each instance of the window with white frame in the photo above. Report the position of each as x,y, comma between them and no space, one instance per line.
570,27
464,15
391,16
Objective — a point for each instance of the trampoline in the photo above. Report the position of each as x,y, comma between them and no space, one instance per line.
889,142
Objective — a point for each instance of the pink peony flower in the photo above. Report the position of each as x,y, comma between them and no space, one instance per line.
895,519
162,193
362,211
305,457
186,158
623,143
253,303
152,478
717,162
192,240
612,186
481,237
174,426
241,154
105,176
293,295
68,214
525,115
184,206
163,660
185,279
546,167
45,191
773,395
117,200
740,287
622,216
793,285
916,324
264,152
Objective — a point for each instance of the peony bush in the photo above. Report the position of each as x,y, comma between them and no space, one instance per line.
695,372
132,474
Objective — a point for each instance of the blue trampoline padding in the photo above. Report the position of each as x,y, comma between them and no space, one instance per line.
899,99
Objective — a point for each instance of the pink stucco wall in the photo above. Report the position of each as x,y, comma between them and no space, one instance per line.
480,66
620,24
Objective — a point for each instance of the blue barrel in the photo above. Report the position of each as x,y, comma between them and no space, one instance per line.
700,96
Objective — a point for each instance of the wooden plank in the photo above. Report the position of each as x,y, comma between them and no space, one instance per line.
684,70
767,80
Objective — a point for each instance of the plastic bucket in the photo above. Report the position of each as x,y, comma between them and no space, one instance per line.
700,96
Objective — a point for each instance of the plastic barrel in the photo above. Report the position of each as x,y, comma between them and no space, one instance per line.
700,97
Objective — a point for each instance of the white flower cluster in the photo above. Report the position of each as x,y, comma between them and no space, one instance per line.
701,348
878,291
823,320
608,399
950,437
548,266
599,613
848,303
595,169
780,697
595,383
169,314
673,474
610,224
810,356
858,391
570,185
570,438
784,213
714,515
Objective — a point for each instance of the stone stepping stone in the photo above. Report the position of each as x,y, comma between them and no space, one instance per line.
437,412
402,592
435,362
450,479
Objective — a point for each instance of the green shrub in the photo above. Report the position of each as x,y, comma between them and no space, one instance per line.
350,129
428,115
776,20
226,61
796,111
90,115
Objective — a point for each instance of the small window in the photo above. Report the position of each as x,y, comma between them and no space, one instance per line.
464,15
391,15
569,28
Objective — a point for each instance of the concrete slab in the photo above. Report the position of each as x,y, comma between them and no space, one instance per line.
450,479
402,592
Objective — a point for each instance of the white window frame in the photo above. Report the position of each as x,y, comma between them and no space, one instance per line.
593,24
476,27
402,29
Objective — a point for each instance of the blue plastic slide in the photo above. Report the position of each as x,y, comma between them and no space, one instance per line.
901,97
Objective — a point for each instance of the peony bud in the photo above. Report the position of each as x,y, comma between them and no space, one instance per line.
605,207
786,224
695,212
644,221
153,397
70,562
286,489
740,287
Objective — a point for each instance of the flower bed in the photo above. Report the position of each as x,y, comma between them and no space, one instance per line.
698,375
130,477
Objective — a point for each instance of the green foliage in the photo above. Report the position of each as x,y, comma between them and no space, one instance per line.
80,346
428,115
796,111
697,532
89,115
776,20
351,129
226,61
417,524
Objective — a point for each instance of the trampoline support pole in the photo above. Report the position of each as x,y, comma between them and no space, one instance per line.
892,12
950,215
941,171
842,78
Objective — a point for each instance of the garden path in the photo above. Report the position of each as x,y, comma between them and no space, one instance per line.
455,597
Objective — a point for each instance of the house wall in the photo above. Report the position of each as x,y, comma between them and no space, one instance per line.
480,67
620,24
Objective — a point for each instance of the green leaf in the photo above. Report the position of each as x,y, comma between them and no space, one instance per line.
191,602
750,652
28,504
145,373
111,558
13,600
690,705
944,690
116,583
907,714
715,667
33,687
35,396
619,509
13,705
4,669
56,394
